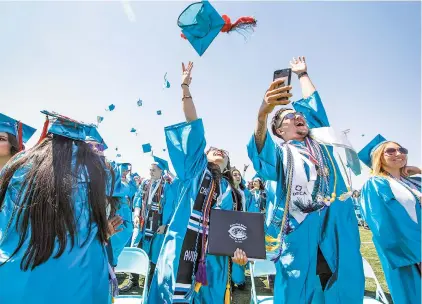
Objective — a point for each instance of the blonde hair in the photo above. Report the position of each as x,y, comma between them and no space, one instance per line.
376,158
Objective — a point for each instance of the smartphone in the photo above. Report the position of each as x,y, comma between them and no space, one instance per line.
286,74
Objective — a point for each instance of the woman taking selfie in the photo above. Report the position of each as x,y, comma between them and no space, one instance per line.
391,204
185,273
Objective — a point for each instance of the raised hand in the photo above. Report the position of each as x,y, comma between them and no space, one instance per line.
186,71
273,96
298,65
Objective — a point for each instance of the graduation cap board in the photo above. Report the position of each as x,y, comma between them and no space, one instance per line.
230,230
161,163
16,128
146,148
65,126
365,155
92,134
201,23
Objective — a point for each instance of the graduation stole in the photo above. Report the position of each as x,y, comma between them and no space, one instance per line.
151,214
196,240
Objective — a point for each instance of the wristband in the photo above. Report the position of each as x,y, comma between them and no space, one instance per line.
184,97
184,84
300,75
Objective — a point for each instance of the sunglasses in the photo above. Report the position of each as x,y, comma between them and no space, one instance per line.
290,116
96,146
392,151
224,152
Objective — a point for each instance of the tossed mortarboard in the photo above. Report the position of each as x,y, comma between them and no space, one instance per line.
146,148
200,24
365,155
13,127
65,126
92,134
161,163
159,112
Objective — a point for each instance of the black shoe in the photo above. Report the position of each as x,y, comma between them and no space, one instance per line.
241,286
129,285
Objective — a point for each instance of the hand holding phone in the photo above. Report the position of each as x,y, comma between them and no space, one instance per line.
286,75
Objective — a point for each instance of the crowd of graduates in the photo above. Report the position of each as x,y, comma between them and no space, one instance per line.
67,213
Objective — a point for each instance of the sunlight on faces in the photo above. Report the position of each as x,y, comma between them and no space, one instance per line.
237,177
292,128
155,172
256,184
5,146
392,157
218,157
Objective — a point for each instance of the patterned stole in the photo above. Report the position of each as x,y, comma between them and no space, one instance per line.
151,209
194,243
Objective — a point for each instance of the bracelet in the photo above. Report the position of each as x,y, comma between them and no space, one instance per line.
302,74
184,84
186,97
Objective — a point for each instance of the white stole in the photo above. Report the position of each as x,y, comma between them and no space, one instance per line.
301,187
404,197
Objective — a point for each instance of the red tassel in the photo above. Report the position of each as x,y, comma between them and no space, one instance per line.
183,36
20,140
44,130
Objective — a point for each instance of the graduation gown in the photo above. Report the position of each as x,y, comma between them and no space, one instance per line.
396,232
152,245
333,229
124,192
186,145
79,275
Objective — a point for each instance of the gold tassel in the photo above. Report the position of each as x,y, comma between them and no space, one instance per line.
112,300
198,287
227,297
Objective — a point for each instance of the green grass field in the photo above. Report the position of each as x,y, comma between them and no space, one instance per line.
368,252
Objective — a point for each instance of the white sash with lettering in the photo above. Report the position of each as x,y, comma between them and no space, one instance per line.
302,188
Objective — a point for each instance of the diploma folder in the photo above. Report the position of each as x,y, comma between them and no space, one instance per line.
230,230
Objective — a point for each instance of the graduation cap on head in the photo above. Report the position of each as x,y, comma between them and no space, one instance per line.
64,126
124,166
365,155
146,148
200,24
161,163
16,128
92,134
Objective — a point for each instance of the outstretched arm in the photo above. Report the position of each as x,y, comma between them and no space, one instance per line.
275,92
300,68
188,105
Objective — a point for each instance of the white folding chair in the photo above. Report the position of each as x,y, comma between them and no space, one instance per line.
379,293
260,268
133,260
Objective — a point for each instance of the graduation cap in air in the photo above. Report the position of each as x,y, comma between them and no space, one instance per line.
92,134
159,112
161,163
64,126
16,128
201,23
146,148
365,155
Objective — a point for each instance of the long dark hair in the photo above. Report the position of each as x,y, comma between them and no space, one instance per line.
241,185
14,144
45,197
111,201
226,174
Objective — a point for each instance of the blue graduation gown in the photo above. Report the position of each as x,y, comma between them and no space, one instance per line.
79,275
396,237
256,201
333,229
186,144
167,202
125,192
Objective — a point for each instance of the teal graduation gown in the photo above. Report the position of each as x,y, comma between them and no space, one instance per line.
333,229
79,275
152,248
186,144
124,192
397,238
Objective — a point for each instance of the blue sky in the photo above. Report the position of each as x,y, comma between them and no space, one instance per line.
76,58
